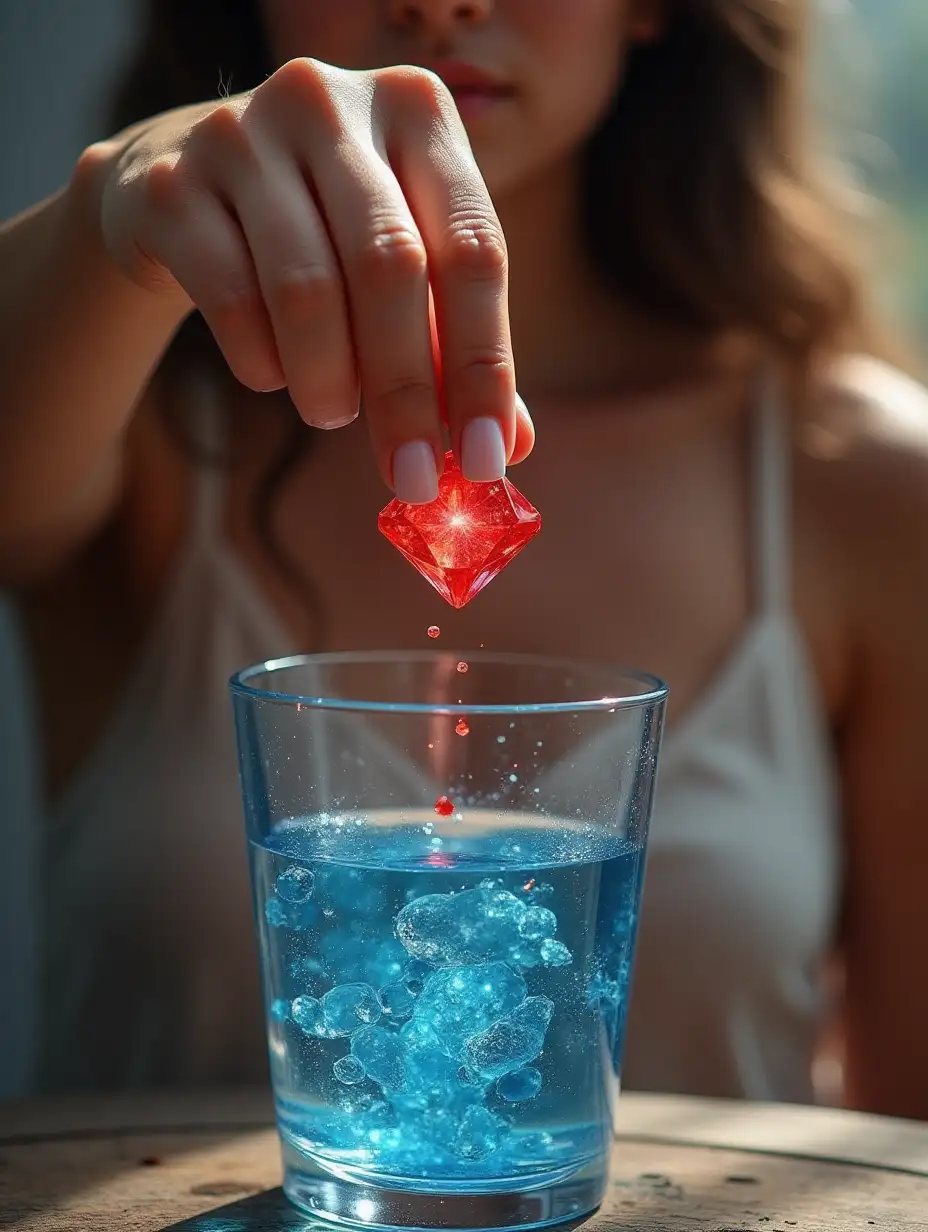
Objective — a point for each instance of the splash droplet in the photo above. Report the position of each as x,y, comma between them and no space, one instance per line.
434,631
463,728
462,667
443,806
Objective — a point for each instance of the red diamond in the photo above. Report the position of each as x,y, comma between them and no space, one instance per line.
462,540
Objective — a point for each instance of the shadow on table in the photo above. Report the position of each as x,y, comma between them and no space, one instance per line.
270,1212
264,1212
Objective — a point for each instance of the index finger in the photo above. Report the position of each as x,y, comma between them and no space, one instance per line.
468,268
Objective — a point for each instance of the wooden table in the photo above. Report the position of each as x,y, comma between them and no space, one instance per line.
681,1165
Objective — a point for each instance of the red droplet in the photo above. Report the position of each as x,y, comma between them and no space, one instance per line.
439,859
462,540
433,631
463,667
443,806
463,728
529,885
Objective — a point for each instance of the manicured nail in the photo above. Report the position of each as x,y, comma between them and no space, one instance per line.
415,477
337,420
483,451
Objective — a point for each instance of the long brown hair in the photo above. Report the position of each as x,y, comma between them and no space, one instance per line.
701,202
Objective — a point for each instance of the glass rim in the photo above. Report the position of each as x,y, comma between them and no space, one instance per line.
651,689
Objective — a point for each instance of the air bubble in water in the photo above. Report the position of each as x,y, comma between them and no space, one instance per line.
295,884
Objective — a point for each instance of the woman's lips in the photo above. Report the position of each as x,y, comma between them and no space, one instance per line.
474,90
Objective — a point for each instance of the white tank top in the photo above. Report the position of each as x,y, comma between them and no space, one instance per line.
150,972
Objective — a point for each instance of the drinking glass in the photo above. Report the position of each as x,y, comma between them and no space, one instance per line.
447,855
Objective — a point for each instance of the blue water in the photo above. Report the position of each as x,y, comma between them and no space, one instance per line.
446,1010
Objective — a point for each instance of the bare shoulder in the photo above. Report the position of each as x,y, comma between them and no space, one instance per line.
862,480
863,443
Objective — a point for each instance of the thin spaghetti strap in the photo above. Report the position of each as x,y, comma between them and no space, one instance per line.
208,426
772,497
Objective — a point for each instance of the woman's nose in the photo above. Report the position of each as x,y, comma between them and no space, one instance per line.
442,13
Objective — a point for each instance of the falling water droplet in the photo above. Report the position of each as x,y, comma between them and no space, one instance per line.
434,631
443,806
463,728
462,667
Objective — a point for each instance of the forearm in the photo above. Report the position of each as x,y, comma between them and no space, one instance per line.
78,342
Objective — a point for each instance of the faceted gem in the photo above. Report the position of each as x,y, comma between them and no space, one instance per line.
462,540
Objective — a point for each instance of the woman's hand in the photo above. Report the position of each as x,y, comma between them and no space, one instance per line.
308,220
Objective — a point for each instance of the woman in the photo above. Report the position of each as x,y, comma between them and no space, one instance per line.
735,492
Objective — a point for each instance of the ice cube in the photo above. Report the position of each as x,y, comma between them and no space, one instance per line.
520,1085
381,1053
458,1002
349,1070
350,1006
480,1133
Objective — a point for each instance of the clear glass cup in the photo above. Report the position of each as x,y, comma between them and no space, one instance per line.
447,855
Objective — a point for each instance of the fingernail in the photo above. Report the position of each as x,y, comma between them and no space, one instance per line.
483,451
415,477
520,406
336,421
